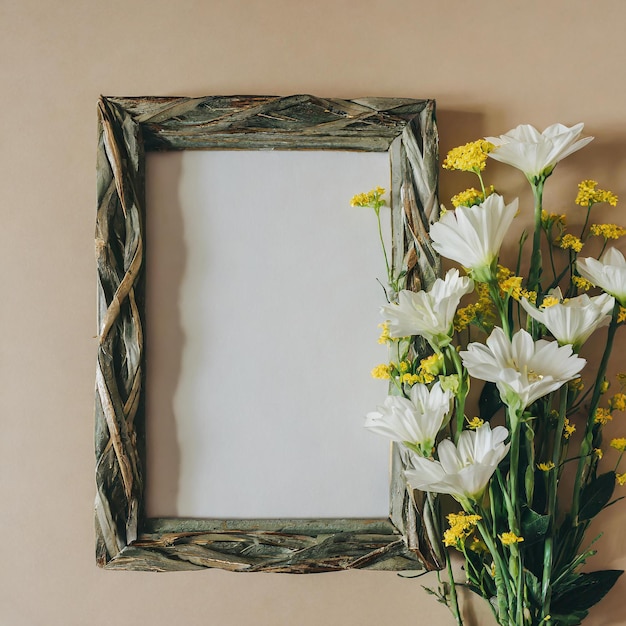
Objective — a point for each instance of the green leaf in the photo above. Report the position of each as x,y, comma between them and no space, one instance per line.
489,402
585,591
571,619
534,526
596,495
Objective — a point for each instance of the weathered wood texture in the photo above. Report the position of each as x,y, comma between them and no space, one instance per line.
126,539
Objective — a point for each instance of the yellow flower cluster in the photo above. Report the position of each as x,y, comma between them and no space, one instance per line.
548,220
572,242
568,429
577,384
470,157
512,285
619,444
372,198
384,335
604,386
471,196
598,452
510,538
382,372
602,416
588,194
545,467
621,316
582,283
608,231
481,312
621,479
474,423
549,301
461,526
618,402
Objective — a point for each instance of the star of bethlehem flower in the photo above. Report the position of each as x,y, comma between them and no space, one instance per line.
608,273
464,470
534,153
414,421
522,369
472,236
573,321
429,314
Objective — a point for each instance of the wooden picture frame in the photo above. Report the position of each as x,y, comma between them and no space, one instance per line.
128,127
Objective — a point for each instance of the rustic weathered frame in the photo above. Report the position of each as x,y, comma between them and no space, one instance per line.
127,128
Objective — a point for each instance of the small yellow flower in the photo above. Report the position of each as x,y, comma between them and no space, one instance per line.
577,384
545,467
384,335
619,444
608,231
621,478
618,402
478,545
474,423
410,379
371,199
598,452
568,429
589,195
403,367
509,539
621,316
471,197
571,242
602,416
604,385
549,301
470,157
461,526
581,283
382,372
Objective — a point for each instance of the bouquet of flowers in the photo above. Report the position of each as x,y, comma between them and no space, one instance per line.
519,526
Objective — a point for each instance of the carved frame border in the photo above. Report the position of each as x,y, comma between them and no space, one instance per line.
127,128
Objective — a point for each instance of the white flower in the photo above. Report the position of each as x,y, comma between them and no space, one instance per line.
523,370
608,273
414,421
462,471
535,153
472,236
574,320
428,314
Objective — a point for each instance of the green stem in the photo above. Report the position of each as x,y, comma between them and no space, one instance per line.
461,395
390,279
456,611
548,556
586,444
535,259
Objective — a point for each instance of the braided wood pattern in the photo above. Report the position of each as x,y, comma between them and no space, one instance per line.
125,538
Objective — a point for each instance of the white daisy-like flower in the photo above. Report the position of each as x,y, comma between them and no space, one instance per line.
573,321
429,314
534,153
608,273
464,470
414,421
472,236
522,369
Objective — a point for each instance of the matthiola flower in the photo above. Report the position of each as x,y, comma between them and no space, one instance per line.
608,273
576,319
415,421
523,370
535,153
472,236
464,470
428,314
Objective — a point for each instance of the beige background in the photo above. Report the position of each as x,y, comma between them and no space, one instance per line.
490,64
